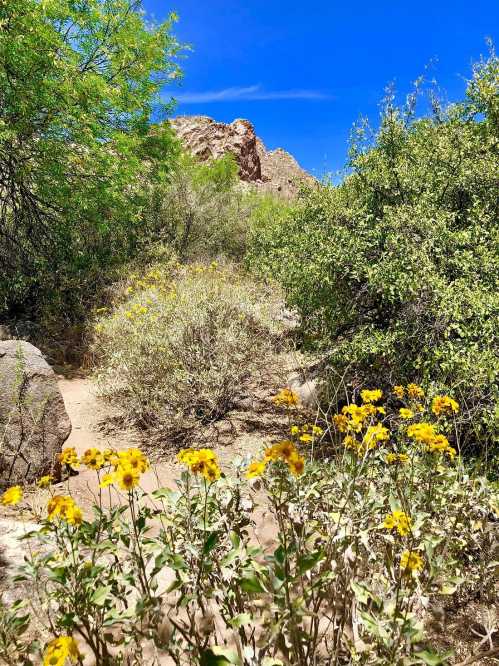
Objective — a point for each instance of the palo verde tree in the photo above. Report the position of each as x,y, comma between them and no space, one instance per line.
79,86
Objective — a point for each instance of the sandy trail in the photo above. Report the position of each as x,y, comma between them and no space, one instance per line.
88,416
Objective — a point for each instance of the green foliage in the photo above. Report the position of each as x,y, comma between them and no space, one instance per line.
395,271
180,343
79,82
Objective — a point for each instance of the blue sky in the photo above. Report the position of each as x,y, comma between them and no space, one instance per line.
304,72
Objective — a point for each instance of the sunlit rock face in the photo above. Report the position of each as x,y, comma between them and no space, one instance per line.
274,171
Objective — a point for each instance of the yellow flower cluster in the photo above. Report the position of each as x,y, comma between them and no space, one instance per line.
406,413
59,650
127,465
397,458
400,521
425,434
354,419
284,451
414,391
69,457
411,561
444,405
136,310
64,507
285,398
306,433
201,461
12,496
371,395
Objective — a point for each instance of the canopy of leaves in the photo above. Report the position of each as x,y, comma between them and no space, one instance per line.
79,81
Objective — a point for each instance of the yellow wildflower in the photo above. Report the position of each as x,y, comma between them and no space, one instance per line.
107,480
306,438
286,398
399,391
341,422
211,471
68,457
350,442
127,477
397,458
73,514
133,458
256,469
371,395
59,650
443,404
411,561
406,413
422,432
12,496
415,391
201,461
295,430
317,430
64,507
44,481
374,434
110,457
93,458
398,520
296,464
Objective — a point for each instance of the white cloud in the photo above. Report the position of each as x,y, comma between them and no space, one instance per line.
248,93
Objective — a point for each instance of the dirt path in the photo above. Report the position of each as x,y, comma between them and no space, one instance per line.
241,433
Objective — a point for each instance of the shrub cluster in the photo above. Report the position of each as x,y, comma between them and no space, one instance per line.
362,539
182,342
395,271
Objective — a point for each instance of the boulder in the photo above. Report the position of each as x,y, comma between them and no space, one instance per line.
33,420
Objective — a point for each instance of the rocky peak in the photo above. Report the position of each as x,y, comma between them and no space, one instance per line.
274,171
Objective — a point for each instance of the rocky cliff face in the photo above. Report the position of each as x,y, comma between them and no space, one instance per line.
273,171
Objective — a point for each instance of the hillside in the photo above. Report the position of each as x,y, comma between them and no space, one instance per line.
274,171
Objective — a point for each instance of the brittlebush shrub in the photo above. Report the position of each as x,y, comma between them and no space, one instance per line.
395,271
181,343
370,521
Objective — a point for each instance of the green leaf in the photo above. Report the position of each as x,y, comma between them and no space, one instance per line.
217,656
100,595
250,583
240,620
432,658
308,561
210,543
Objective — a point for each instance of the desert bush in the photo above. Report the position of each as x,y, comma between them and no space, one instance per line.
183,341
203,211
373,521
395,270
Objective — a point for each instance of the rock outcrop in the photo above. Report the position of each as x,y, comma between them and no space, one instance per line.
274,171
33,420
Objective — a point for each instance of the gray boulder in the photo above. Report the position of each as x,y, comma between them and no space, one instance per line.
33,420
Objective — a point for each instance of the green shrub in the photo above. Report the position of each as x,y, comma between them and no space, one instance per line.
395,271
181,345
